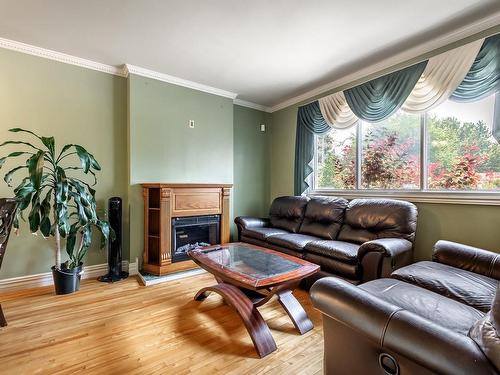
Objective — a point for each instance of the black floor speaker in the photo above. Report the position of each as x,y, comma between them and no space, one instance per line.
115,246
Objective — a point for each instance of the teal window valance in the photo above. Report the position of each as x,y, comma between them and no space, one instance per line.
476,76
379,98
483,78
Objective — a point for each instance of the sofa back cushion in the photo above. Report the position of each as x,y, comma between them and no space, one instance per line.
323,217
287,212
369,219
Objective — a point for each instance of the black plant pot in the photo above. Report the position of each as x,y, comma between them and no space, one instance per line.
66,280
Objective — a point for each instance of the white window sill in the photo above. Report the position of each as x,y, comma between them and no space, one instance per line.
449,197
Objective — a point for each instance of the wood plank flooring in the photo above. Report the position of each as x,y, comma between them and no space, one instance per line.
125,328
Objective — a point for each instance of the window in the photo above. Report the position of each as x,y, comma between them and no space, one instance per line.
390,156
462,153
450,148
336,159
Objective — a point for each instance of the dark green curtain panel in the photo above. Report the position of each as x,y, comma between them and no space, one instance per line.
310,121
483,78
379,98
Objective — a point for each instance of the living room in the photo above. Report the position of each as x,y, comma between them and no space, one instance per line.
266,187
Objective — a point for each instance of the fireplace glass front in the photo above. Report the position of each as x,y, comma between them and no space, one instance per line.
191,232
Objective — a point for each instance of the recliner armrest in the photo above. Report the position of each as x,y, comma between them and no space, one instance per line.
398,330
468,258
251,222
352,306
380,257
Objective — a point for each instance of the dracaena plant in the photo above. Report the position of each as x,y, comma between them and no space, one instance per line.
58,202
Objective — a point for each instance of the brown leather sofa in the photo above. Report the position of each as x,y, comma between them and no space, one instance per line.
439,317
360,240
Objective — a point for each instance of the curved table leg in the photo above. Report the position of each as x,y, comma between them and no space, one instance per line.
3,321
295,311
256,326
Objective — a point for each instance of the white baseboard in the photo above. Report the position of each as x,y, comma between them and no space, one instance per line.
45,279
171,276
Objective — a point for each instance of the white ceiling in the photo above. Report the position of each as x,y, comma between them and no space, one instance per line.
266,51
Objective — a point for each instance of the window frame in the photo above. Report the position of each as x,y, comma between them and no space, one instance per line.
421,195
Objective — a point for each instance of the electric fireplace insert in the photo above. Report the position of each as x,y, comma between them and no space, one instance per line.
192,232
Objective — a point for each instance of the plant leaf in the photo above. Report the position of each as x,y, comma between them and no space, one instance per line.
83,182
35,168
19,143
71,240
84,158
18,130
34,216
8,176
45,226
50,143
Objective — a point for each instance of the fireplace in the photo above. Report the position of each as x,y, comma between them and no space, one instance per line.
191,232
176,215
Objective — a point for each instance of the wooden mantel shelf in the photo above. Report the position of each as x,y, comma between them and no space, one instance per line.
165,201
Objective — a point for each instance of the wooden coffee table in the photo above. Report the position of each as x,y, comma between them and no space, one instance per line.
248,276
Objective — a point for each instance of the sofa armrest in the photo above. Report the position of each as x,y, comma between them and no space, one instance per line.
380,257
244,222
251,222
468,258
397,330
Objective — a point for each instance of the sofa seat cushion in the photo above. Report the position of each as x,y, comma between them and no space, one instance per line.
262,233
292,241
339,250
434,307
467,287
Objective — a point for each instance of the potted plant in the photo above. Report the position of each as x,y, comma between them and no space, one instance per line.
58,203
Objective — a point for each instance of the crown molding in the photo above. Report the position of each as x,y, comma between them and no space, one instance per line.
59,56
400,58
132,69
259,107
122,71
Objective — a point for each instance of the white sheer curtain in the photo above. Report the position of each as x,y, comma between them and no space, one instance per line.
336,111
441,77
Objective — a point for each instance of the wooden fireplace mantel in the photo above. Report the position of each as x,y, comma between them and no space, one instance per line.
162,202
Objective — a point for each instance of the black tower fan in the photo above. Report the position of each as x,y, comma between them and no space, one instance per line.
115,246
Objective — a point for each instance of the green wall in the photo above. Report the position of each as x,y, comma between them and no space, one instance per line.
75,105
137,128
476,225
162,147
251,162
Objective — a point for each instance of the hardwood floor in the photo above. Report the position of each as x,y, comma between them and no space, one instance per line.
125,328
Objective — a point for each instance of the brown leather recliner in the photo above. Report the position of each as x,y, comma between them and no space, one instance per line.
360,240
440,317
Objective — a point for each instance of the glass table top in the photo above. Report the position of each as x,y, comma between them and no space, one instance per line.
251,262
